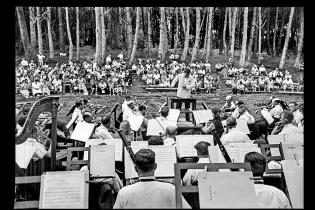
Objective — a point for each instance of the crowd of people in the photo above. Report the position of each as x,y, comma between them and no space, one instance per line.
162,74
242,80
38,78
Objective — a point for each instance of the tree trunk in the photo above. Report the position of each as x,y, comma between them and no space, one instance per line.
39,32
28,50
61,31
161,54
78,33
268,31
166,33
50,38
197,38
252,33
224,31
32,26
259,34
204,52
286,42
244,41
209,40
301,37
103,36
135,43
186,44
176,34
275,34
281,31
149,32
129,31
98,32
233,32
230,24
69,35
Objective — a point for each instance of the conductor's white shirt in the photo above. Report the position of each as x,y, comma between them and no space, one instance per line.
235,136
148,194
184,85
271,197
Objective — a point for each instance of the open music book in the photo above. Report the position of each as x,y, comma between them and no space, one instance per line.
23,154
135,122
156,126
102,160
287,138
82,131
236,151
293,151
165,157
227,190
117,142
173,114
185,144
241,126
202,116
267,115
64,190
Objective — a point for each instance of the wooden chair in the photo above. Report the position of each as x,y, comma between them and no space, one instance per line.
70,162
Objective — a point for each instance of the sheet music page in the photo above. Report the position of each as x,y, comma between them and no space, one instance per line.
102,160
294,178
167,123
130,171
118,148
23,154
173,114
275,139
293,138
165,158
246,148
215,187
139,144
234,153
203,116
242,126
64,191
206,138
91,142
214,154
135,122
185,146
196,116
267,115
292,151
154,128
82,131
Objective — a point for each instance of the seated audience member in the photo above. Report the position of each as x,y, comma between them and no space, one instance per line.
36,87
285,126
262,70
268,196
216,122
287,84
191,176
298,116
234,135
57,83
102,132
24,89
170,132
148,192
229,105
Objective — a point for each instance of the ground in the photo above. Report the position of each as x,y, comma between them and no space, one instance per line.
153,99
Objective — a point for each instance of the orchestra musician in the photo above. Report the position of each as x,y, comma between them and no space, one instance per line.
229,106
285,125
232,134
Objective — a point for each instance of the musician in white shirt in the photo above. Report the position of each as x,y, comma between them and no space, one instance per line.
191,176
298,116
277,110
148,192
234,135
36,87
130,110
229,105
170,132
268,196
102,132
245,115
285,125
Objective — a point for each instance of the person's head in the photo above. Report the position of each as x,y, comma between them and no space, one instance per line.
231,122
293,106
142,109
125,127
187,72
216,112
145,162
257,162
88,117
155,140
228,99
202,148
106,121
241,109
86,101
239,103
131,105
286,117
171,131
79,104
164,111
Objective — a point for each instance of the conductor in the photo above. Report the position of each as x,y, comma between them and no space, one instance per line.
185,83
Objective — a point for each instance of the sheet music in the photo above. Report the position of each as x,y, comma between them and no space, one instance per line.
294,178
165,158
102,160
135,122
117,142
130,171
214,154
64,190
275,139
202,116
139,144
154,128
185,144
267,115
173,114
82,131
293,138
215,187
23,154
242,126
293,151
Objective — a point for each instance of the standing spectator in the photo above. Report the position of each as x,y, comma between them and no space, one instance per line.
109,59
40,59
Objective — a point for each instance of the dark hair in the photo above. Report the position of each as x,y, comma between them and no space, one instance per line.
202,147
155,140
142,107
86,100
145,159
257,162
105,120
77,104
164,111
288,116
22,120
86,115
